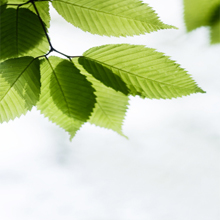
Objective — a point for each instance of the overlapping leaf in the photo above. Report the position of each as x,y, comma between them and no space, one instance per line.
43,10
110,17
42,7
110,107
20,86
21,34
67,98
145,72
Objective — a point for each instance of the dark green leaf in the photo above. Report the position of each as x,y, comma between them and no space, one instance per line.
215,26
43,9
3,6
104,74
21,34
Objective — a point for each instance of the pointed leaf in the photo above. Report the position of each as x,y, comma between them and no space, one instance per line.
110,107
21,34
145,71
67,98
20,86
110,17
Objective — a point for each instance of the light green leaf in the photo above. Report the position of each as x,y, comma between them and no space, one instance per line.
20,86
21,34
67,98
110,107
215,33
110,17
16,1
145,71
199,13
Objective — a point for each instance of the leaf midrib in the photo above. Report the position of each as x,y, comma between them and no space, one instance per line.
110,120
16,80
113,67
69,113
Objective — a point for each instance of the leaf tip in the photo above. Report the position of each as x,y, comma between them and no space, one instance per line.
201,90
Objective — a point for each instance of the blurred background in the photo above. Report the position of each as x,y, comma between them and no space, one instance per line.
169,168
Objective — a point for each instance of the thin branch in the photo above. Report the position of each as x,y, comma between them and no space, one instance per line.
42,23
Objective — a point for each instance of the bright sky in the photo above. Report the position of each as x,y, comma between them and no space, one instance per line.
167,170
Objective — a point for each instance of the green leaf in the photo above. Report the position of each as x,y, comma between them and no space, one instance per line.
21,34
67,98
110,107
110,17
20,86
16,1
215,26
43,9
215,33
104,74
145,71
199,13
3,5
3,2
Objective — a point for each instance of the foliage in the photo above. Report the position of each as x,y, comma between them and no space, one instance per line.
203,13
93,87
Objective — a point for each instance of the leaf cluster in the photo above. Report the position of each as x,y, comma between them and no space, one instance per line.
94,87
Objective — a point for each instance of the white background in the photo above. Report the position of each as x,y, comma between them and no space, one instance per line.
167,170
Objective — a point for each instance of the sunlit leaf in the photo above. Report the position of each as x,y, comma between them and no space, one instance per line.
67,98
20,86
145,72
199,13
110,107
110,17
215,33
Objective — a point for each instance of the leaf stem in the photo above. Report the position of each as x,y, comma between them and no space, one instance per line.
44,29
42,23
